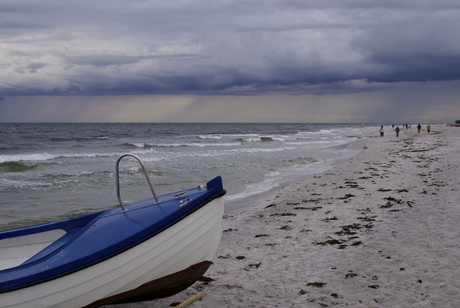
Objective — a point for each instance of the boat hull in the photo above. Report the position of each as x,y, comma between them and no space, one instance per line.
163,287
159,266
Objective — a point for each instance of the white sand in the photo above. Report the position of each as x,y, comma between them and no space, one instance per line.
380,230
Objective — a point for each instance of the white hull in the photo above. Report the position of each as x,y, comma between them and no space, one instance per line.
191,241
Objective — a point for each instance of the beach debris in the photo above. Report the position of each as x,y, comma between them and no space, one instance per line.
347,196
352,184
308,208
330,218
311,200
390,202
350,275
283,214
372,218
387,205
391,199
251,266
347,230
228,286
262,235
329,242
190,300
205,279
316,284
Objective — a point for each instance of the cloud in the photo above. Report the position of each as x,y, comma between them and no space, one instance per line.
224,47
104,60
405,102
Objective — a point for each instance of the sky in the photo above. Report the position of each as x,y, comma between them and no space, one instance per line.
347,61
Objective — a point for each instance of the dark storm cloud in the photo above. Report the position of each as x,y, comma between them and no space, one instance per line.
103,60
224,47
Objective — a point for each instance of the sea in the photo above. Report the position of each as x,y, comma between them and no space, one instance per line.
51,171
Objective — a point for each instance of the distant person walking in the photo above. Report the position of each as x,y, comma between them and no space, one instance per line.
381,131
428,128
397,131
419,127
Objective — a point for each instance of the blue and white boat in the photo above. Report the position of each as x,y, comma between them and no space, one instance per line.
139,251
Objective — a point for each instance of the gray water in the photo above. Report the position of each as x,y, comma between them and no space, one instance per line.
55,170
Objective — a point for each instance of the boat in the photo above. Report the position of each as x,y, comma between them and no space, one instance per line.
129,253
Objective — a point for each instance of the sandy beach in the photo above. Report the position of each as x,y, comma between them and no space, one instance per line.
379,230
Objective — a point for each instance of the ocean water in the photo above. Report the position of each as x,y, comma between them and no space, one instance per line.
56,170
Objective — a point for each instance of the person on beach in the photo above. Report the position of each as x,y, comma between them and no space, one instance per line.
397,131
428,128
419,127
381,131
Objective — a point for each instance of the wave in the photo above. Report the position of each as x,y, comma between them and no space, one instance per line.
16,166
137,145
63,138
150,156
86,155
177,145
26,157
245,137
259,139
254,189
46,184
67,175
211,136
19,158
299,168
303,160
19,185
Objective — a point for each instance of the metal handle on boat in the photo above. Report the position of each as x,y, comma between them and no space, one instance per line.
118,178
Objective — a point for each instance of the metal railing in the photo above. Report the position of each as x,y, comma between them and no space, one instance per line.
118,178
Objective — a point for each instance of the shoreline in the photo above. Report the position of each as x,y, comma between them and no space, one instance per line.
239,205
378,230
